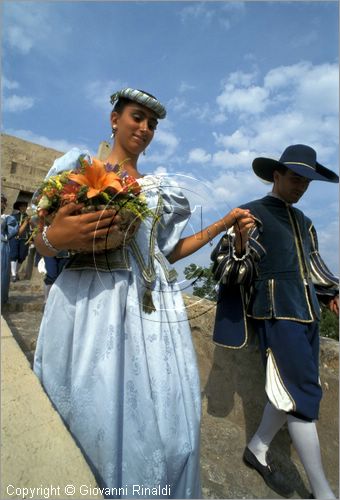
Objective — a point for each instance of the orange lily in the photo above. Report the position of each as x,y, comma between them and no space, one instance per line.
97,178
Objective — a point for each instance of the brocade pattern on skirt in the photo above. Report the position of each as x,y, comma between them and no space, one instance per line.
125,382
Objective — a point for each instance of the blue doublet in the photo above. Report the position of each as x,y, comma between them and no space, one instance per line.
275,288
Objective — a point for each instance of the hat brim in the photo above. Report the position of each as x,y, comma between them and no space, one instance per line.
264,168
18,203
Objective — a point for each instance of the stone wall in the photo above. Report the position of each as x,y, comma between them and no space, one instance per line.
23,166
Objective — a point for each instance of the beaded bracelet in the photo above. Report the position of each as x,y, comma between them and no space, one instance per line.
47,241
209,237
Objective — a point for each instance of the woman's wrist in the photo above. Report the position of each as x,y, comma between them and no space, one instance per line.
46,240
214,230
220,226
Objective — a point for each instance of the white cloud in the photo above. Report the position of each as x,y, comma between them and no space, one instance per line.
99,92
241,95
177,104
229,160
250,100
9,84
225,13
296,104
19,40
304,39
15,103
167,139
240,78
29,25
322,81
198,155
161,170
201,112
235,6
269,135
197,10
218,118
184,87
238,140
234,188
307,87
166,144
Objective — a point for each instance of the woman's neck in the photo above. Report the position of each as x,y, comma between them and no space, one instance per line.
128,161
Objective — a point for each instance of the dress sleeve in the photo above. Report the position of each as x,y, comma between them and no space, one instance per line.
326,284
175,215
230,269
68,161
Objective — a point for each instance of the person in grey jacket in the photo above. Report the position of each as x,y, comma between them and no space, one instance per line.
272,278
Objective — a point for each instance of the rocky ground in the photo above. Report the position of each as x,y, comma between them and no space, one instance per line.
224,430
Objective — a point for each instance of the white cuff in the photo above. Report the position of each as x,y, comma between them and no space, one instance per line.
231,233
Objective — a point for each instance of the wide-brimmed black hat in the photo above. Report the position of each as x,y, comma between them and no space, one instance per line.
300,159
18,203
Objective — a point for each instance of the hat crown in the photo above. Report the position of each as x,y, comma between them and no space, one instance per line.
299,153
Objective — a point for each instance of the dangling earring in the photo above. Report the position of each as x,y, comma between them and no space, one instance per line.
114,130
144,152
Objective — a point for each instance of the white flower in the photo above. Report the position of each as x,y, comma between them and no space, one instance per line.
44,203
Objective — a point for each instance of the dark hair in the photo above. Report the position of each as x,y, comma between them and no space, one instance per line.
282,169
123,101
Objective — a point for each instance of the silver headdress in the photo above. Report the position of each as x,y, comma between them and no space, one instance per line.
142,98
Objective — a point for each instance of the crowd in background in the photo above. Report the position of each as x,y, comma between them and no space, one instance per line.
18,253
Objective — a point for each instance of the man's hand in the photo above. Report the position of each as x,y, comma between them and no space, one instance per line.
333,305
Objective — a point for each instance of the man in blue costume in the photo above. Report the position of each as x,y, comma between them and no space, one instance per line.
18,245
272,279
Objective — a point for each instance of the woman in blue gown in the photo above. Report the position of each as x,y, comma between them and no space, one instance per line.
9,229
125,381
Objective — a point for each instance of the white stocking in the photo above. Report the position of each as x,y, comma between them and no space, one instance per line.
306,442
271,423
14,265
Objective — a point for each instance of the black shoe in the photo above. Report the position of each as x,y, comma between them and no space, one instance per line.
13,279
273,478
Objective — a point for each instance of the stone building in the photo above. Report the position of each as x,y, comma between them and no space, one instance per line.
23,167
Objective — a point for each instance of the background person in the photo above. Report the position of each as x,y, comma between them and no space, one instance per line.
276,275
53,266
18,245
9,228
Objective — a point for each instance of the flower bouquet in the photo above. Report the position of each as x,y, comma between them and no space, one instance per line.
99,186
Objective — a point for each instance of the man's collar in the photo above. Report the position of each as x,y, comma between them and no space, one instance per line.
274,195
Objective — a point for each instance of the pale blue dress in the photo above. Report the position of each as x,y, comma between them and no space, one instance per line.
126,382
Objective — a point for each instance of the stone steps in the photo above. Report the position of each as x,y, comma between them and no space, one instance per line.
223,473
23,313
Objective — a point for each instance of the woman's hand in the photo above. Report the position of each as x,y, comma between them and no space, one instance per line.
242,221
239,217
71,230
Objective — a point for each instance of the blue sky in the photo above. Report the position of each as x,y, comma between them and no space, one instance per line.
239,80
